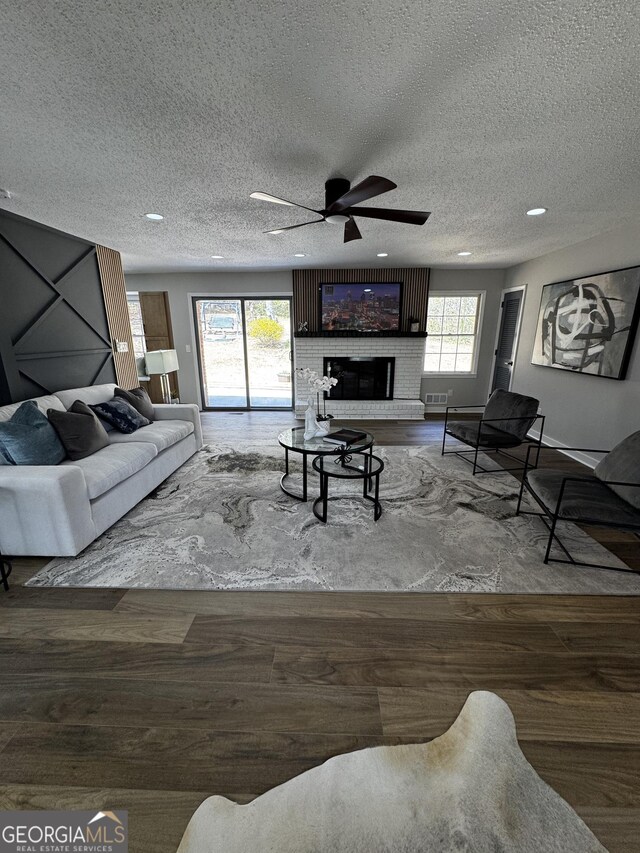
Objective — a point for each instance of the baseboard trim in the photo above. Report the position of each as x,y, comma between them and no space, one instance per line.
584,458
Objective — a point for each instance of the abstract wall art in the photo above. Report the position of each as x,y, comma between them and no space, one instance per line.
587,325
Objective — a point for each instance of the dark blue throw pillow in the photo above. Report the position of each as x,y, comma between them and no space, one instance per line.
121,415
28,438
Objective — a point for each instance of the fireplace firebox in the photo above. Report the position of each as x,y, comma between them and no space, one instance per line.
360,378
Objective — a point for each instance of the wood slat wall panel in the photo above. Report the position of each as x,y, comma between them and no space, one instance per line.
115,300
415,291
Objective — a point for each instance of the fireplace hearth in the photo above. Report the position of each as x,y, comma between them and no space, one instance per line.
360,377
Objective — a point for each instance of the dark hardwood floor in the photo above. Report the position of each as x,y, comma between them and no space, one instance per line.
153,700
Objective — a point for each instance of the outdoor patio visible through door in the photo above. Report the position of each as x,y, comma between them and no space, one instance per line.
244,352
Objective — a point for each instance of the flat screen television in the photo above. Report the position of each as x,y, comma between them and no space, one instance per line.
360,307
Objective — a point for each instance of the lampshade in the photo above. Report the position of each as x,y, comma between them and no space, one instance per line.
161,361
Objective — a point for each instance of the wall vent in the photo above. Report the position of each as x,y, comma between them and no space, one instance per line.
434,399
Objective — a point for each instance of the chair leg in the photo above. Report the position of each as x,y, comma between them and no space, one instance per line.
475,461
552,531
5,571
520,496
444,438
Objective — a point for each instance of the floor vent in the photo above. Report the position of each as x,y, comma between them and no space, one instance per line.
433,399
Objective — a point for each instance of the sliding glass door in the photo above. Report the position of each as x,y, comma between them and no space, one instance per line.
244,352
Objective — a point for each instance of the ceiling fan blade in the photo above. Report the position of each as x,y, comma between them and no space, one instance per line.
276,200
289,227
370,187
409,217
351,231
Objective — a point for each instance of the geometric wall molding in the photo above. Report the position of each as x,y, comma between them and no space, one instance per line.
54,332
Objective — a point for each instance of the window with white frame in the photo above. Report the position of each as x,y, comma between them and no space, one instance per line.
453,332
137,327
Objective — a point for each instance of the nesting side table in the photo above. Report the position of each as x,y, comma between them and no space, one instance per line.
348,466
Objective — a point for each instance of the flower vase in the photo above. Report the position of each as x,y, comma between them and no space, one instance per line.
311,426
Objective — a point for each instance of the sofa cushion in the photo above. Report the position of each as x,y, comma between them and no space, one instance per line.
161,434
49,401
28,438
90,395
509,405
121,415
622,464
79,429
113,464
587,499
139,399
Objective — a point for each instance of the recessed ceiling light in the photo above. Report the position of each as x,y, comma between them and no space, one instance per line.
218,257
299,255
464,254
536,211
383,254
156,217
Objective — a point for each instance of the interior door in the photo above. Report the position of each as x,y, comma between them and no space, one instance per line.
507,339
158,334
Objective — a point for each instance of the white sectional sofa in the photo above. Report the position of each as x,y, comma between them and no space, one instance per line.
57,510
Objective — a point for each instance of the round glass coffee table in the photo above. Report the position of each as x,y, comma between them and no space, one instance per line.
293,441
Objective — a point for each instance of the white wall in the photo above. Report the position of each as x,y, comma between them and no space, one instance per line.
581,410
471,391
182,286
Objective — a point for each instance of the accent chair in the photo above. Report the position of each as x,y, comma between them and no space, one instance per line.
609,497
503,425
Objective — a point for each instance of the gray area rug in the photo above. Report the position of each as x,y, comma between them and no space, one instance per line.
471,790
222,522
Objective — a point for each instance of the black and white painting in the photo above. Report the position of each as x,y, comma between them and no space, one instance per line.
587,325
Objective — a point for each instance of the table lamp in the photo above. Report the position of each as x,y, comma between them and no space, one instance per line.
161,362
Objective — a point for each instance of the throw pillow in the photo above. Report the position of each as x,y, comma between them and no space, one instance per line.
79,429
121,415
622,465
139,399
28,438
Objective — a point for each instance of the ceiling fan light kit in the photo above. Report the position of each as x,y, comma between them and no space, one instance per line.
340,200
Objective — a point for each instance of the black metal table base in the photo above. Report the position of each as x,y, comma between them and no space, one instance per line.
305,473
298,497
370,482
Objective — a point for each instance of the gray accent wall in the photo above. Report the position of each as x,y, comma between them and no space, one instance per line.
581,410
181,287
54,332
474,390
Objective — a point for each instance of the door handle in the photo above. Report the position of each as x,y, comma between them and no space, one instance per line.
510,364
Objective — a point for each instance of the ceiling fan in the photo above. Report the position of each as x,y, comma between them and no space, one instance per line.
339,209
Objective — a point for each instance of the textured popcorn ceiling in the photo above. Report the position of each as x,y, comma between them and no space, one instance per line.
478,110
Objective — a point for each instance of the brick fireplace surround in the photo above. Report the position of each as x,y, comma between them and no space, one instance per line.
408,353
